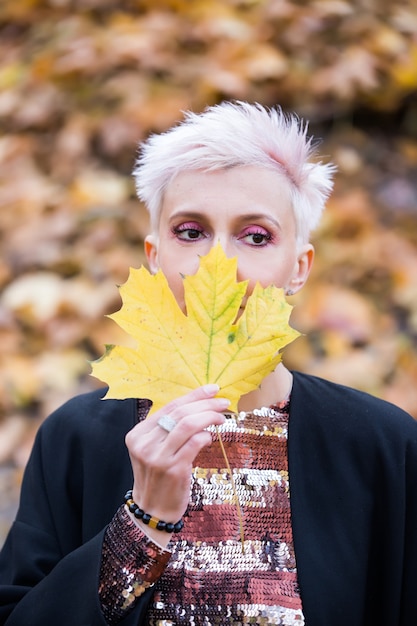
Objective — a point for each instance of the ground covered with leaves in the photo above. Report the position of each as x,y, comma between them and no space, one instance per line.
83,81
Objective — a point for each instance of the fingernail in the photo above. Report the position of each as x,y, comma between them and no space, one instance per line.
211,389
224,403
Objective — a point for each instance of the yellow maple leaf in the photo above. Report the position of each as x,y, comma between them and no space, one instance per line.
177,352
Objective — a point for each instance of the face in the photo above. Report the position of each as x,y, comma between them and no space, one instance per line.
248,210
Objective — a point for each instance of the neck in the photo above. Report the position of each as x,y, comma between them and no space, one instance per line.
274,388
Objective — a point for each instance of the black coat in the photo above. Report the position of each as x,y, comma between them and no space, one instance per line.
353,482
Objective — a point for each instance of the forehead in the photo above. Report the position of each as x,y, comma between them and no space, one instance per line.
242,186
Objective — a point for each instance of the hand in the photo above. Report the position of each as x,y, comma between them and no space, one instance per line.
162,461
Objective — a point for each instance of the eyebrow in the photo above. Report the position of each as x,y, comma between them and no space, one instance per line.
196,215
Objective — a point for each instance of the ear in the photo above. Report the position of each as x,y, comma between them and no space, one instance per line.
302,269
151,251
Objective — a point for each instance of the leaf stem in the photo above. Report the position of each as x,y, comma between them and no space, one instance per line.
236,498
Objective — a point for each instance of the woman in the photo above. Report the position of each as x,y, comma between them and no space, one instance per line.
326,476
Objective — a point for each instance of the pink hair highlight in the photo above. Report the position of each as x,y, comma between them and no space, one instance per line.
233,134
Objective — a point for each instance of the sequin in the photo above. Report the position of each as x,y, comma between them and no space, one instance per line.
209,580
257,586
126,571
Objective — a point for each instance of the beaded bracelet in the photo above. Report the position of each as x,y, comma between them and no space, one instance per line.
151,521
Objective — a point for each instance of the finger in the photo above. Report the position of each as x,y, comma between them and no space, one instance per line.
193,446
189,419
162,449
168,421
191,425
190,403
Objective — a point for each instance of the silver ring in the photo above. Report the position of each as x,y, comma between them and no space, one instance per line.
167,423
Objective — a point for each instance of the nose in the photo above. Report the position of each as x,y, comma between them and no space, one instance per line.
225,243
230,251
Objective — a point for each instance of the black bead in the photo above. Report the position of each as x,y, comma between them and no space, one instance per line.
138,513
146,517
179,526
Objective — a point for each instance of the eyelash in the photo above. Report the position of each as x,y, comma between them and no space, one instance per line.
184,228
180,231
267,237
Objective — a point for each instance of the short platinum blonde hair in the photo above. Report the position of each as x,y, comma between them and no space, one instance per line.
233,134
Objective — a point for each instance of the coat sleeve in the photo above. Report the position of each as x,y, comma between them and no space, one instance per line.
50,562
67,595
353,481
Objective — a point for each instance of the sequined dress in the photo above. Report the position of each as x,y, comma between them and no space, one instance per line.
209,575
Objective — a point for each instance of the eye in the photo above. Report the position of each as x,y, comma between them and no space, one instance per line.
257,237
188,232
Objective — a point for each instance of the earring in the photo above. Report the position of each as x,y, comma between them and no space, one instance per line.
289,292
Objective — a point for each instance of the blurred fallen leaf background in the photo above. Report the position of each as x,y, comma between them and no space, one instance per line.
83,81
